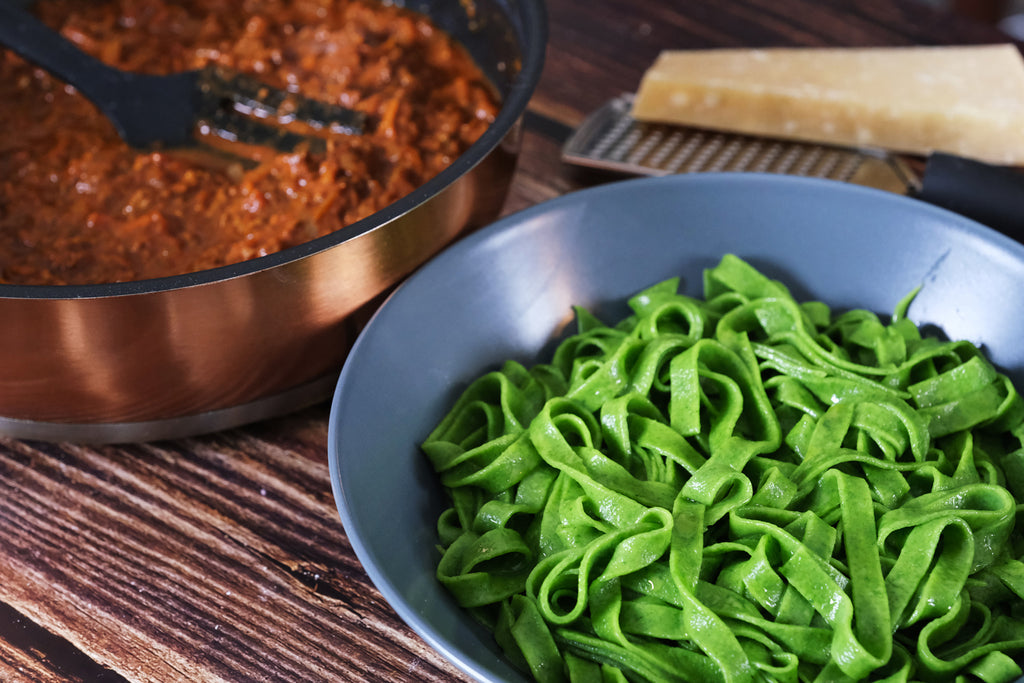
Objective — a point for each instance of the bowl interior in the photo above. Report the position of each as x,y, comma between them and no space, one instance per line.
506,292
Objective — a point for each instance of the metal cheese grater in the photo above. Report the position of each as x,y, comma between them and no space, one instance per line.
611,139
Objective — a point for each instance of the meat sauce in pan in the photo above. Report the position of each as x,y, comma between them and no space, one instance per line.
77,205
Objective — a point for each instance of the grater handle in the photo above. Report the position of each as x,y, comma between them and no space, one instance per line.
992,195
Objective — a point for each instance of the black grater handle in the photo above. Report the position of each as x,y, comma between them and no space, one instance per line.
991,195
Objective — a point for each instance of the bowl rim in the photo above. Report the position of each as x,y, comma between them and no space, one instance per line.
528,17
496,231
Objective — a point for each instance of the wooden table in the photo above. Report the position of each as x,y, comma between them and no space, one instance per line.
222,558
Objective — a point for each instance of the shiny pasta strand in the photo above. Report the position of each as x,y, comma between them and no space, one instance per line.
743,488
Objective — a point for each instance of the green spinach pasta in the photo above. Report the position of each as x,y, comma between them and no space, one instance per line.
740,488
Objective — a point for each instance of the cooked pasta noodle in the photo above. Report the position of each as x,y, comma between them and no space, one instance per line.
741,488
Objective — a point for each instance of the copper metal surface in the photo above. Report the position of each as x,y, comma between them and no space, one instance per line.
187,354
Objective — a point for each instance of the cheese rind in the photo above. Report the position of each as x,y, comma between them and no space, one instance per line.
966,100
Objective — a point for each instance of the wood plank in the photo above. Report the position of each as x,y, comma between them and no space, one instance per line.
220,558
29,653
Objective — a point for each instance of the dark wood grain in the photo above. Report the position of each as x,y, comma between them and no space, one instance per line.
218,558
222,558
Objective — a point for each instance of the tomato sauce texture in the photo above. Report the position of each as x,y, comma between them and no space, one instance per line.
78,206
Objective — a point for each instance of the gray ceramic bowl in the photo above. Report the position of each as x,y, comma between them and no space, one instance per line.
506,292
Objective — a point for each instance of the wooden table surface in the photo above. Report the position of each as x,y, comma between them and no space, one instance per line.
222,558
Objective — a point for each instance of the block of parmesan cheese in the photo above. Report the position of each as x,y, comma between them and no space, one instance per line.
966,100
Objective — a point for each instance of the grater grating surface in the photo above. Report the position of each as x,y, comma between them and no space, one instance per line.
611,139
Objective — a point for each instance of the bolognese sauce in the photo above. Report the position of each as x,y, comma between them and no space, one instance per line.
78,205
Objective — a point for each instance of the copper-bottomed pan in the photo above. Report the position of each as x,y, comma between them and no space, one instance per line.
205,351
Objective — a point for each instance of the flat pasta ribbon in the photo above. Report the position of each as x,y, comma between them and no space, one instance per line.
742,488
